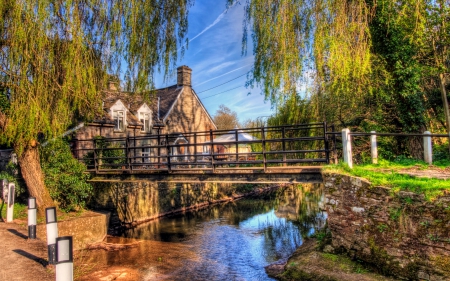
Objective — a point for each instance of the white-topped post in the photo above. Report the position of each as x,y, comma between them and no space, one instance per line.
64,258
32,218
347,147
373,147
427,148
10,209
52,233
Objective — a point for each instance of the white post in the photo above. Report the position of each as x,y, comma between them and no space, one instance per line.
32,218
347,147
373,147
10,209
64,258
427,149
52,233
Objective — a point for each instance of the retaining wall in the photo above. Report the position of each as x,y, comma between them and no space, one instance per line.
402,234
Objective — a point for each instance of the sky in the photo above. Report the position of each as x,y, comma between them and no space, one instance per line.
215,56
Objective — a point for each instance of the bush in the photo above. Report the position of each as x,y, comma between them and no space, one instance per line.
12,174
65,176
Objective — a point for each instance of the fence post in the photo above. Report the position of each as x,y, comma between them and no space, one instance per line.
427,148
325,139
10,207
263,142
373,147
168,153
347,147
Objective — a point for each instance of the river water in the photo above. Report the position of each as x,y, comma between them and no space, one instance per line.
230,241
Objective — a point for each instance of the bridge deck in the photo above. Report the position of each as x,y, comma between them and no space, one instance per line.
232,175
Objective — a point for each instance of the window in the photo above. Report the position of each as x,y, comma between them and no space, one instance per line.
119,120
145,119
145,153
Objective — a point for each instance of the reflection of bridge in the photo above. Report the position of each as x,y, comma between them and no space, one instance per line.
279,150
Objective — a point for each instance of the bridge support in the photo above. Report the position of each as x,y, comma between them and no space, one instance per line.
347,147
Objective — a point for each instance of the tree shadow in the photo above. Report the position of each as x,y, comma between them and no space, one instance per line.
17,233
32,257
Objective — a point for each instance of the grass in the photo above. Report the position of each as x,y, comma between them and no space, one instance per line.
20,210
387,174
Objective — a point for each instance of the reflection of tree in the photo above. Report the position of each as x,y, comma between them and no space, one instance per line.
298,204
301,204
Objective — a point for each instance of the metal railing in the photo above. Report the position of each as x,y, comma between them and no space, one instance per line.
261,148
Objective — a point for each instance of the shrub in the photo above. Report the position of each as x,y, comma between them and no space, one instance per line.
12,174
64,176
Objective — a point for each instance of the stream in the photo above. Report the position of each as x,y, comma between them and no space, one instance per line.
229,241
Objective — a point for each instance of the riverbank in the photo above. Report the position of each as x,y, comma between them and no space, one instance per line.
310,264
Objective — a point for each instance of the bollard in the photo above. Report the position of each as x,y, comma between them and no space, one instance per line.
347,147
373,147
52,233
64,258
427,148
10,209
32,218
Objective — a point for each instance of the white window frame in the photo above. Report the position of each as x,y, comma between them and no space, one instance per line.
144,117
119,120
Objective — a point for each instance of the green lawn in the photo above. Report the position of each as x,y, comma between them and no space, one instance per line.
387,174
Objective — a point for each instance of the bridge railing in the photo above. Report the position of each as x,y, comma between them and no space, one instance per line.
253,148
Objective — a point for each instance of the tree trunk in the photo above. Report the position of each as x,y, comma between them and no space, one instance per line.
30,167
445,104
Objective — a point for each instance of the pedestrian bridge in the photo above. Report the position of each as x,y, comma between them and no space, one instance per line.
291,153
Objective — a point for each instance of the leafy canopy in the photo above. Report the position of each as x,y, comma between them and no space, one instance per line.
55,57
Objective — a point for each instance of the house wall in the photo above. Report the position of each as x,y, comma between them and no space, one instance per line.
188,115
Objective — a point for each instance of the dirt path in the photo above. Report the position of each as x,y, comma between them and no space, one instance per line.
22,259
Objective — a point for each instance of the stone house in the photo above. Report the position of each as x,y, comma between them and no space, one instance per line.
175,110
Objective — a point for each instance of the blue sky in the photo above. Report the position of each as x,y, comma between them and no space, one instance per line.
214,55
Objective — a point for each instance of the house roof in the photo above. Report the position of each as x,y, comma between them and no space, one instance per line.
167,100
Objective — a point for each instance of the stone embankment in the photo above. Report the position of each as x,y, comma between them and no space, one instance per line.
134,202
402,234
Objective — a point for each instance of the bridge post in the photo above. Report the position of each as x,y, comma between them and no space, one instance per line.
347,147
168,153
283,136
325,139
211,150
373,147
427,148
263,141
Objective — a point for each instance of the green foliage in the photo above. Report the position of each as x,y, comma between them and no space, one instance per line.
65,176
20,210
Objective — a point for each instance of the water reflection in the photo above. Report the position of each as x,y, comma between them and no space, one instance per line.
232,241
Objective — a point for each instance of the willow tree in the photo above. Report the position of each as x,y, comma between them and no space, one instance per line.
322,42
55,57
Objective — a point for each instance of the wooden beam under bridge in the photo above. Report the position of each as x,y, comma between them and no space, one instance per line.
310,174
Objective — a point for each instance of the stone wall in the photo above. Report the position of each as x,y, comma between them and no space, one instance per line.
137,201
89,228
402,234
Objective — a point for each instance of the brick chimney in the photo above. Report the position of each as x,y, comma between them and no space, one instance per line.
184,76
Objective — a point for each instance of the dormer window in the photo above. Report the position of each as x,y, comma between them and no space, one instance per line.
119,120
145,120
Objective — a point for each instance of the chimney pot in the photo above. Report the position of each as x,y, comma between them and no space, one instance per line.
184,76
